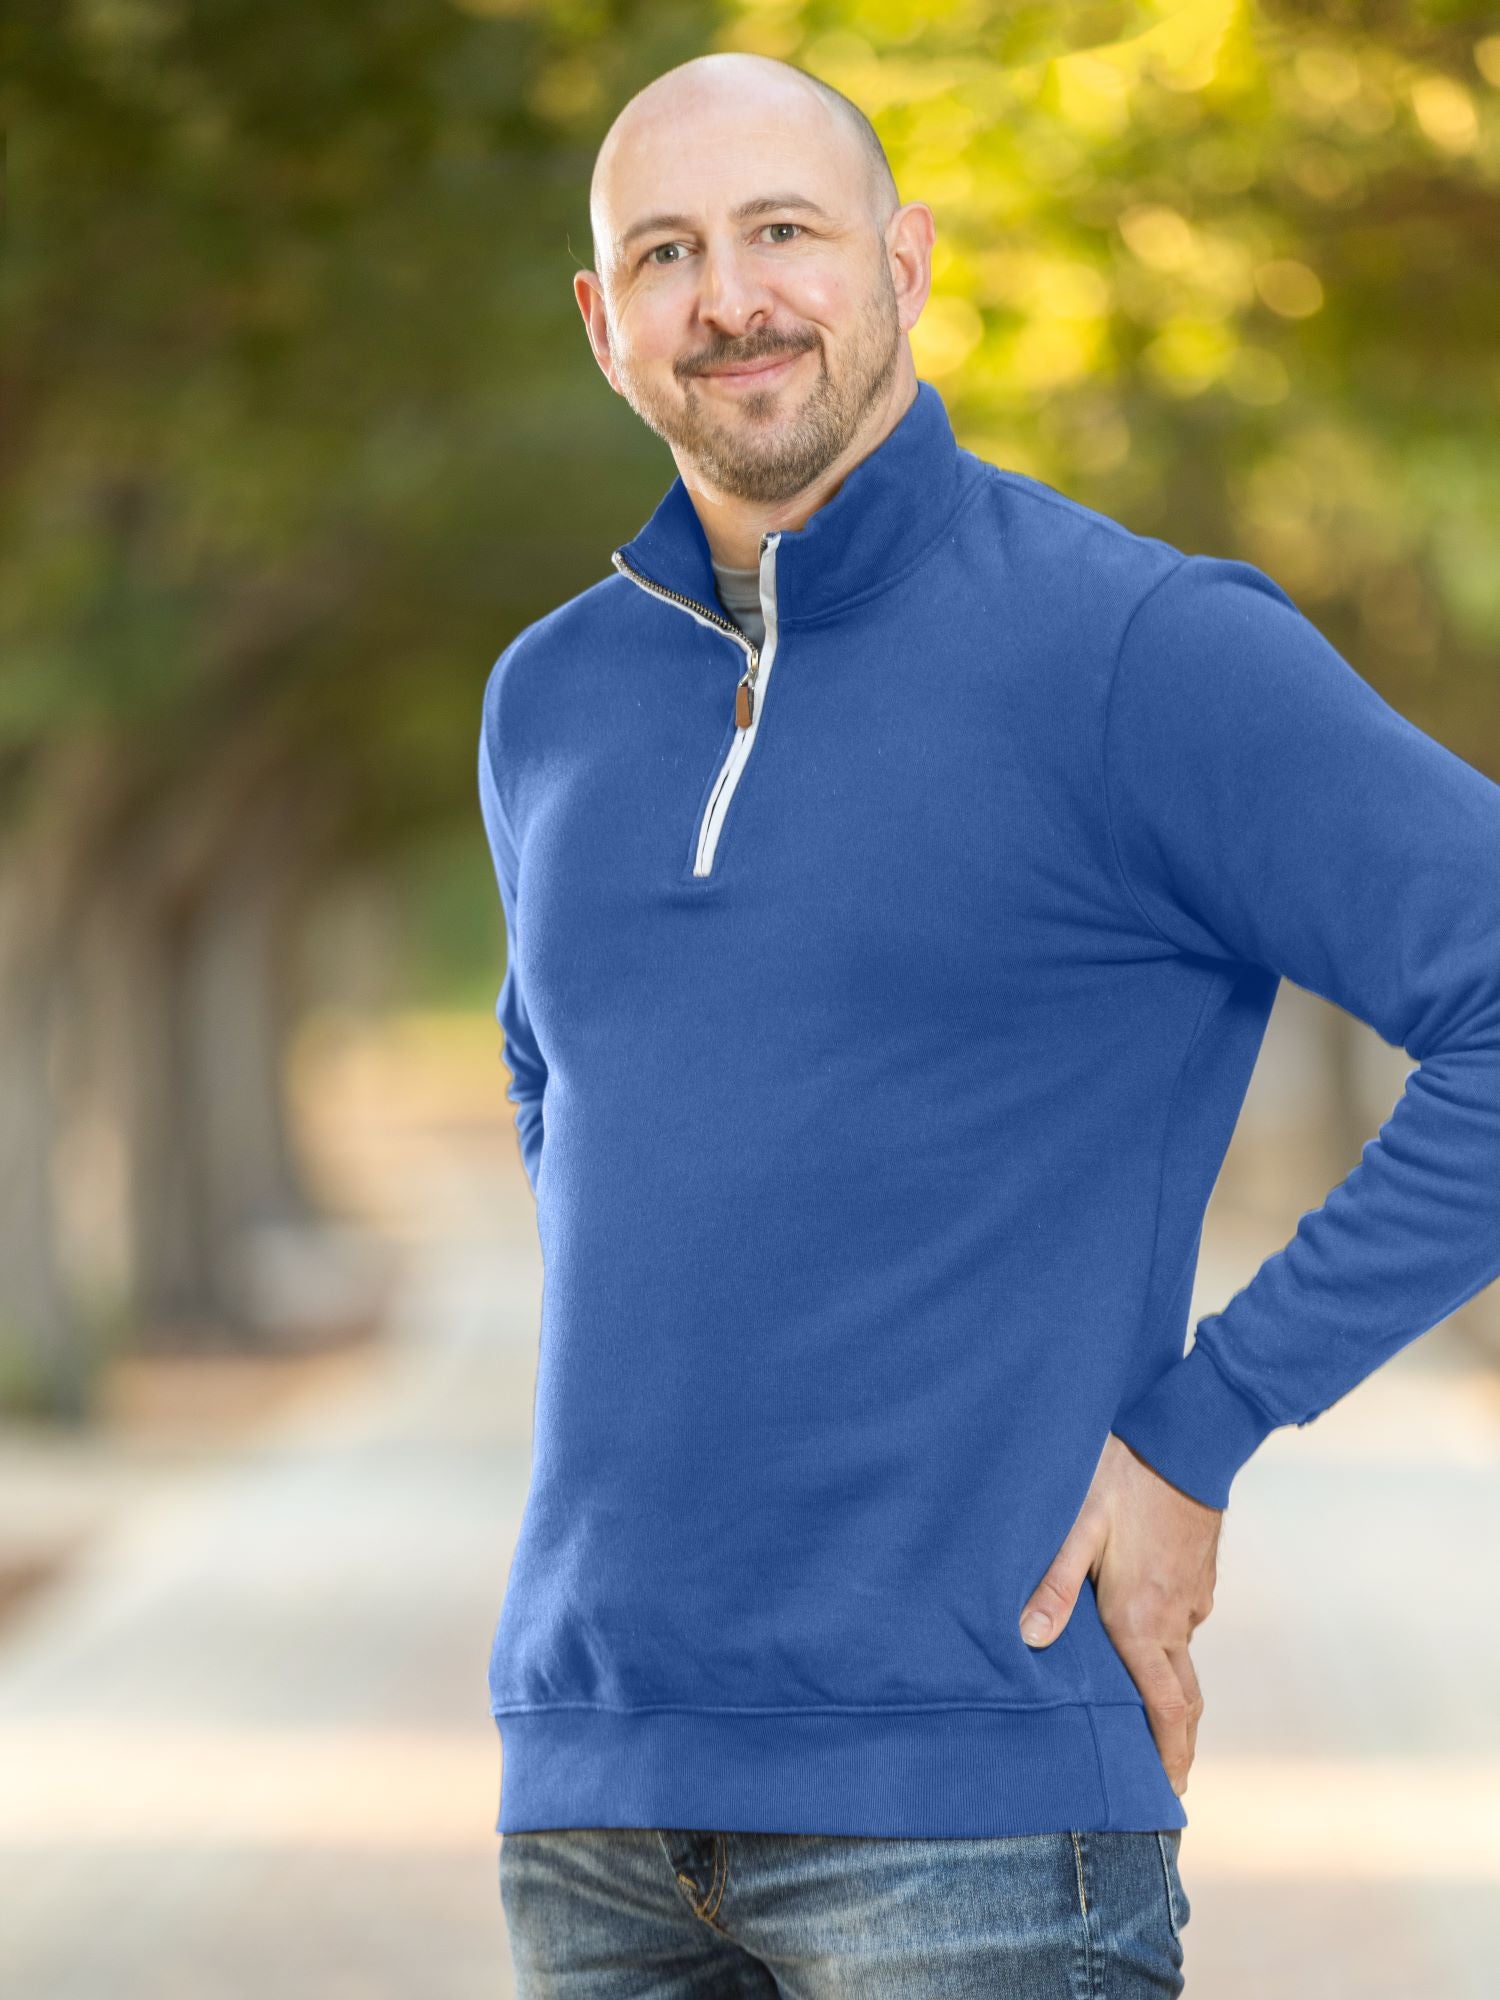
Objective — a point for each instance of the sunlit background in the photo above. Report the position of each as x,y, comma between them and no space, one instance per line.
301,426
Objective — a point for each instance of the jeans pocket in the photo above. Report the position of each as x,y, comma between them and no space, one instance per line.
1179,1909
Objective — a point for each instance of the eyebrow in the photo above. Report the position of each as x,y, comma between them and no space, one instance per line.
763,204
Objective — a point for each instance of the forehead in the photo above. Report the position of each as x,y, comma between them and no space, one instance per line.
712,160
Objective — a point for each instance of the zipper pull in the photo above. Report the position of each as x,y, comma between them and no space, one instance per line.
744,695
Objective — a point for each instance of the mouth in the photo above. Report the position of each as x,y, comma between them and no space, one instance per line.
754,374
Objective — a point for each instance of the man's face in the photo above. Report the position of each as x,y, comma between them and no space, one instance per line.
747,275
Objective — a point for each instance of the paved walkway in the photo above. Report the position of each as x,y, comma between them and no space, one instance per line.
1344,1804
246,1745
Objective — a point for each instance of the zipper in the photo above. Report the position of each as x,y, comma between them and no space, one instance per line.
749,694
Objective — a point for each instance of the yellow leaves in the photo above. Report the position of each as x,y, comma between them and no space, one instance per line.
1185,47
947,333
1190,355
1049,354
568,90
1326,171
769,28
1257,377
1042,282
1210,270
1289,287
1142,204
1324,500
1444,109
1326,74
1157,235
1063,305
1093,95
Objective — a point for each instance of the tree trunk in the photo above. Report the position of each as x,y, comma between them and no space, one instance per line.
198,957
237,1017
44,1354
43,1366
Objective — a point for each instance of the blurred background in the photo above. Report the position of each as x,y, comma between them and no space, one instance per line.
301,426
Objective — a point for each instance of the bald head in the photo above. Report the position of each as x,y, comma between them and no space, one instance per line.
751,90
756,275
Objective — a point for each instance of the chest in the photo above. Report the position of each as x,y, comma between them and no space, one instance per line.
905,816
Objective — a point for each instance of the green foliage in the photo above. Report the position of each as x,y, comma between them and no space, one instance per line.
1228,272
302,423
296,377
447,956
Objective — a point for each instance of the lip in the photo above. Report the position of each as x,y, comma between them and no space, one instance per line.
770,370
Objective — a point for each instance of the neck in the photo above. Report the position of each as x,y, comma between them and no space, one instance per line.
734,527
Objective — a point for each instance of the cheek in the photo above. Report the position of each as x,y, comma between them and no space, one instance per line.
654,326
824,300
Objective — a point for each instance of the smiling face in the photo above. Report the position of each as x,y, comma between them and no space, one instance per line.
746,306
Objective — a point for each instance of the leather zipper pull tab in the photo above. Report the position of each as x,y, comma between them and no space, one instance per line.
744,704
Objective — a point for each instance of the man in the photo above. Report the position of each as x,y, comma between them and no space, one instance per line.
898,862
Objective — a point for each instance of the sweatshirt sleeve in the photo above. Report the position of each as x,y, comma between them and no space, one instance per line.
523,1057
1268,806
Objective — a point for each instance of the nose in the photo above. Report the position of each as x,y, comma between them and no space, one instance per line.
732,296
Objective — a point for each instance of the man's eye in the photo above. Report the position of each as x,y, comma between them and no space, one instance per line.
652,255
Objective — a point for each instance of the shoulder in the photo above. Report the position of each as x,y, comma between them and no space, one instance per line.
1073,554
1146,583
540,650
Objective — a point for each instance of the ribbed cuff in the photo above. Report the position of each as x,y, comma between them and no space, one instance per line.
1194,1427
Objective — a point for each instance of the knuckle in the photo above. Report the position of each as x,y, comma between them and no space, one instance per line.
1147,1622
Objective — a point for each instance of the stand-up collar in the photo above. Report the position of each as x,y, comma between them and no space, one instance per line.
891,506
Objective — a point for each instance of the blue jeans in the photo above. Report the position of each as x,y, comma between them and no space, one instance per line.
670,1915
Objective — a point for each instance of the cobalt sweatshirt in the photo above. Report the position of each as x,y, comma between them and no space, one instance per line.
879,1006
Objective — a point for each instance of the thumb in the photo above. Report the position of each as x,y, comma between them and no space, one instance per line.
1050,1605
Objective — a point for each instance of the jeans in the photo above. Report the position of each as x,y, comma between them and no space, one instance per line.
658,1914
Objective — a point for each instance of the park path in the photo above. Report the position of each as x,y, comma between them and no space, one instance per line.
246,1747
1344,1804
245,1744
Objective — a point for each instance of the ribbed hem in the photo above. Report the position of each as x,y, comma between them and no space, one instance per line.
900,1773
1194,1427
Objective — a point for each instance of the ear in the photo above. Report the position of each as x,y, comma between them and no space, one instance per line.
909,237
588,289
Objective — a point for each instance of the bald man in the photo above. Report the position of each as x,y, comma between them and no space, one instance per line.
898,862
766,407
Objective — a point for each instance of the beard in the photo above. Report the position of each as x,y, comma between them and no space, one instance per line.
763,448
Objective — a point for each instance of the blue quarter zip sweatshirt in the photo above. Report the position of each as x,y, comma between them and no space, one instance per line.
879,1005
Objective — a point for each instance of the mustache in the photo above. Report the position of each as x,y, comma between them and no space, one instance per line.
705,363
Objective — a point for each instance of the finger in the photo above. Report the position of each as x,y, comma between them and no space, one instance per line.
1167,1707
1182,1664
1050,1604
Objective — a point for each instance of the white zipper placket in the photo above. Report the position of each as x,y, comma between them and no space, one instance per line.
749,695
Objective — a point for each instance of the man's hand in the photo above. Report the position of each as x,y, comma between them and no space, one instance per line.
1150,1549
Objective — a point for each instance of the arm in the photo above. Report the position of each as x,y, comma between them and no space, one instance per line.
1269,806
528,1069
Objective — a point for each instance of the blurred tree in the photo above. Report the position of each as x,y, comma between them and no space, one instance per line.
1230,277
301,426
290,452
